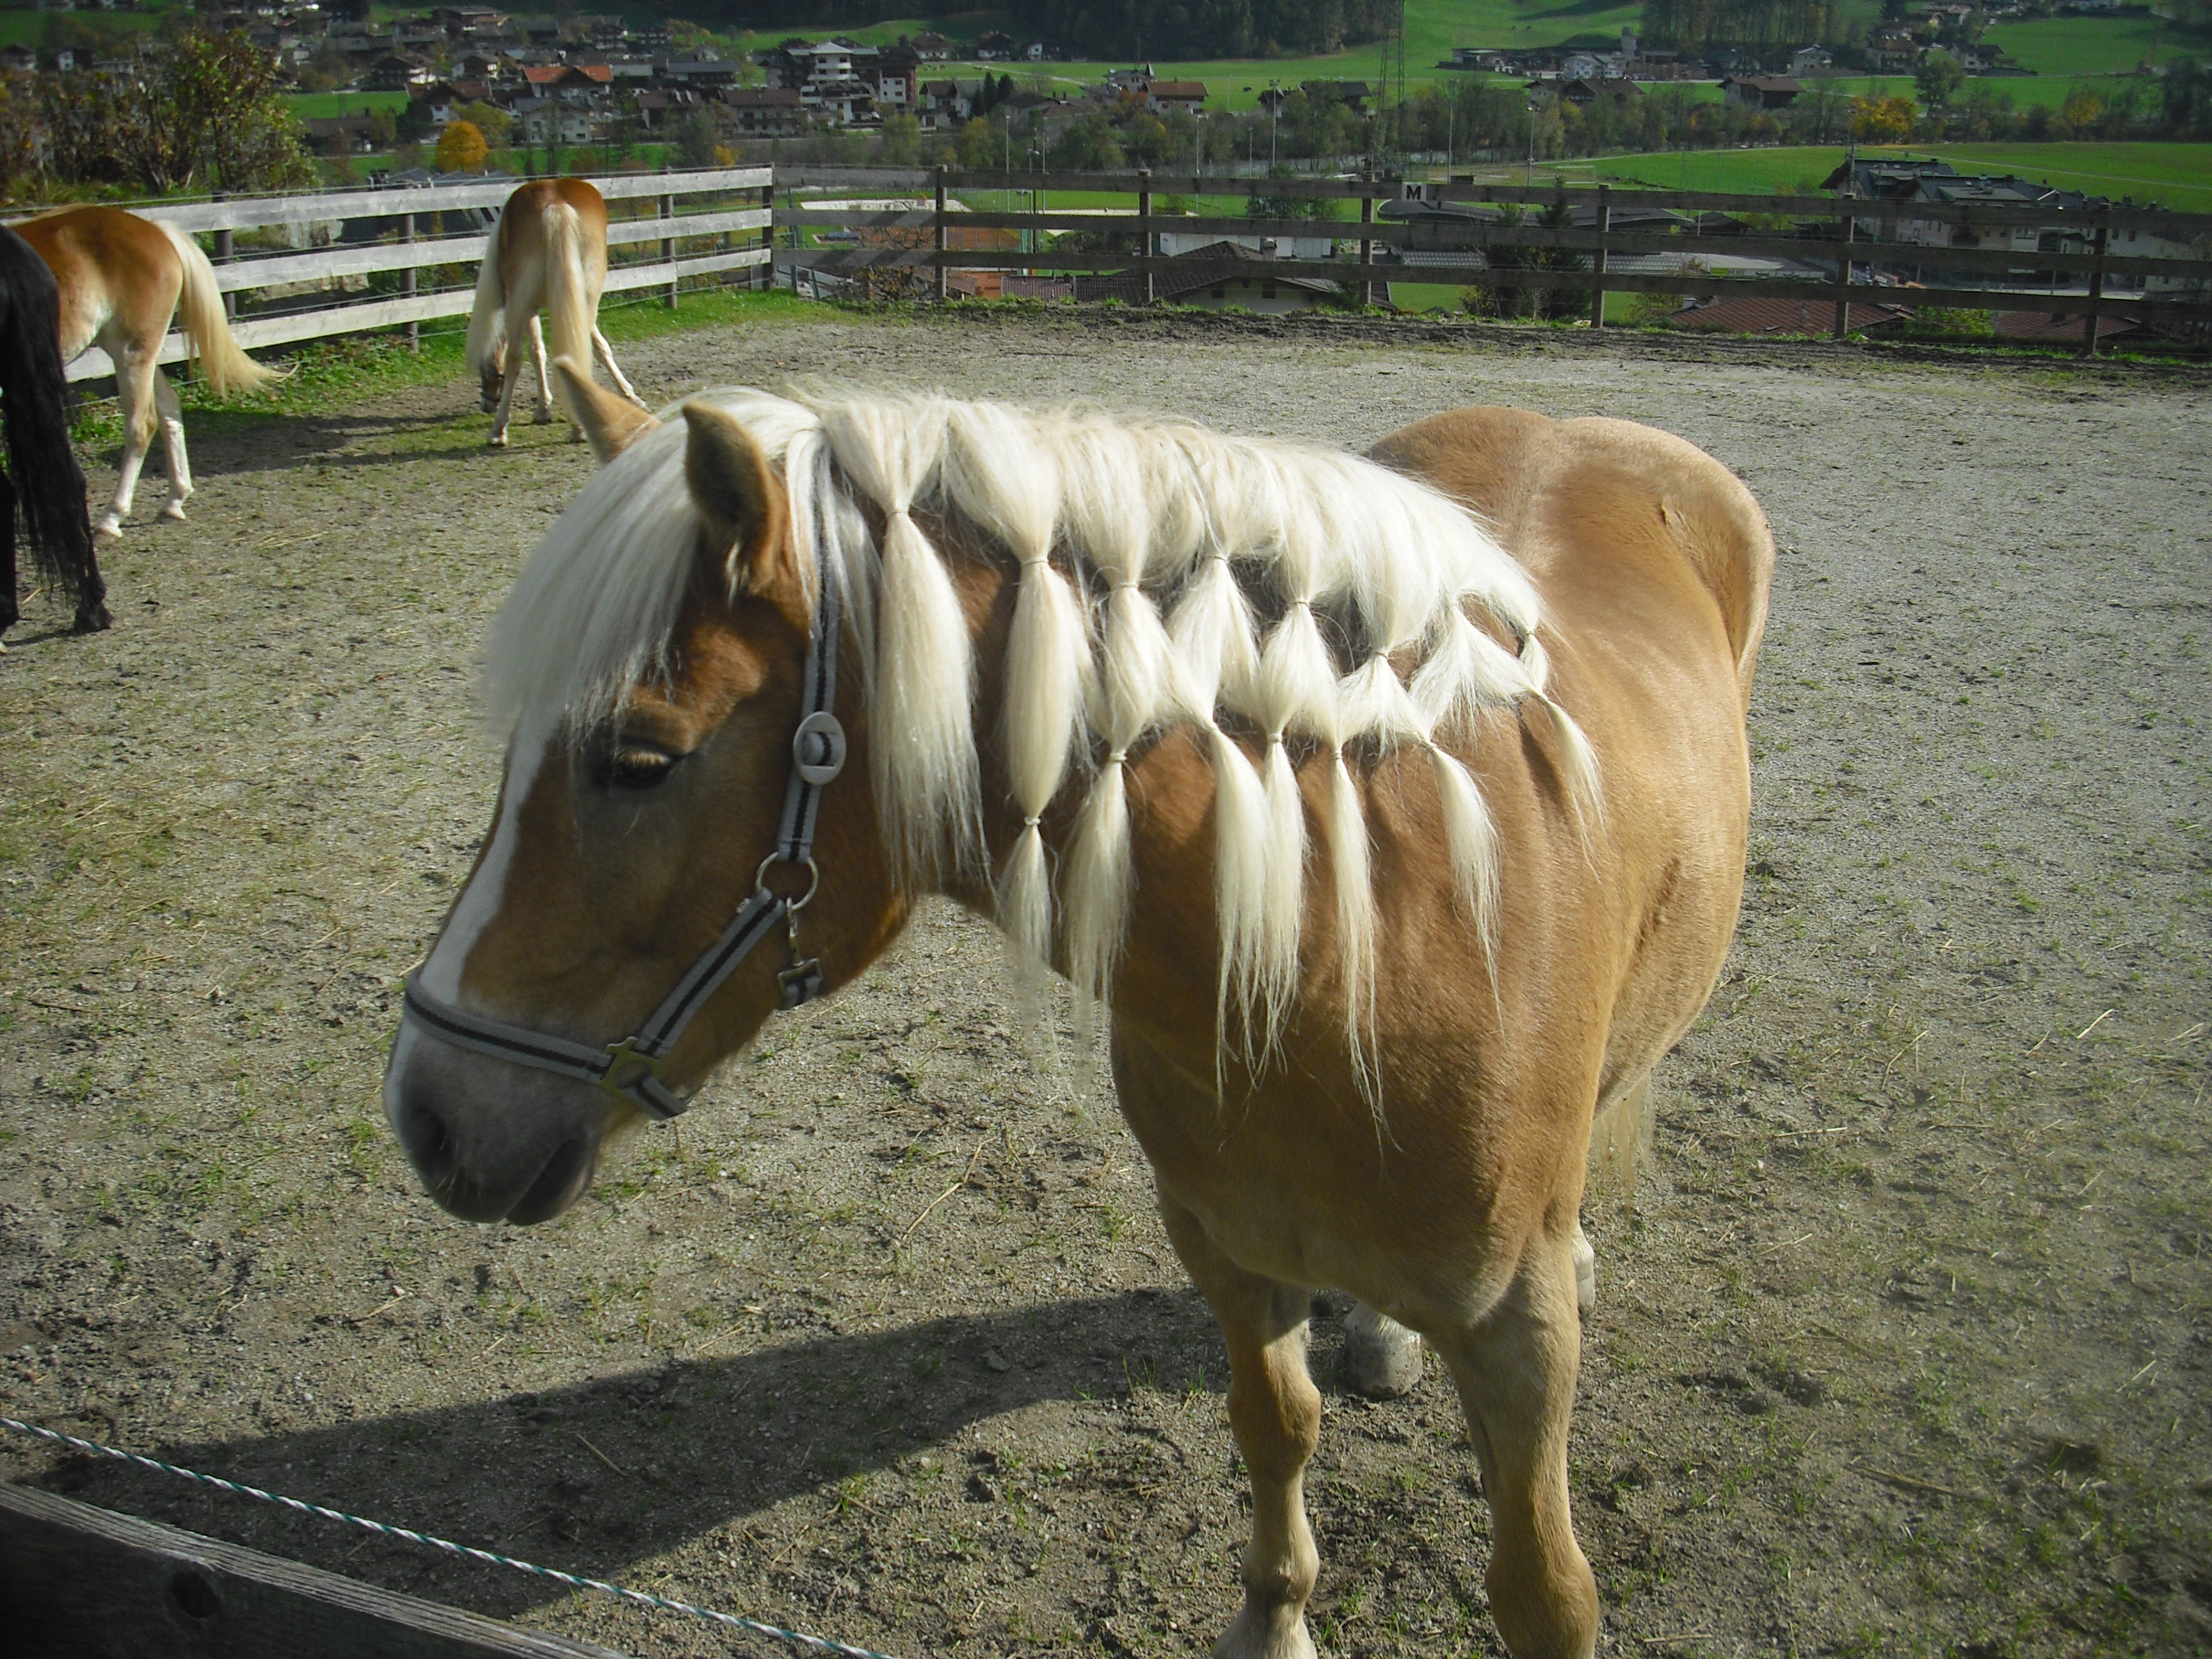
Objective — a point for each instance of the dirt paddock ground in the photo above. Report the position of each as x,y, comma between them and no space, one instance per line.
1907,1347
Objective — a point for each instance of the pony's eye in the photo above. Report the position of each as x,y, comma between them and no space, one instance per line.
637,766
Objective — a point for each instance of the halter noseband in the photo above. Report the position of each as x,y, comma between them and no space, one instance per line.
630,1069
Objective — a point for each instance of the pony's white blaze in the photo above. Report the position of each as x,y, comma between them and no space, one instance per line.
1267,592
481,899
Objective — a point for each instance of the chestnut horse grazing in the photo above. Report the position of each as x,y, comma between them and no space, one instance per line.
122,278
43,479
548,251
1393,859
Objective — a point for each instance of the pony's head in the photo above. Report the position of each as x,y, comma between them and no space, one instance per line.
641,793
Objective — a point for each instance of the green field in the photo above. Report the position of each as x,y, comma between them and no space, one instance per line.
2177,176
2094,45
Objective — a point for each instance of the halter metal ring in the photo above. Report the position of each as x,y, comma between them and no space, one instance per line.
813,880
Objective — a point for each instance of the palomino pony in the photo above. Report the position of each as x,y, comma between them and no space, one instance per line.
548,251
122,278
42,480
1394,860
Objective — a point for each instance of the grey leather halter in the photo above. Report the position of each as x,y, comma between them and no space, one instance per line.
630,1069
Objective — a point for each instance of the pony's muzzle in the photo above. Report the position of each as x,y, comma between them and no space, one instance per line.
491,1141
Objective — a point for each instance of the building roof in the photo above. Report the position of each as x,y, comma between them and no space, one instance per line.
1168,285
1808,318
1766,83
1179,89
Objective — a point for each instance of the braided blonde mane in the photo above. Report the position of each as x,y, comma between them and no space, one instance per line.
1167,576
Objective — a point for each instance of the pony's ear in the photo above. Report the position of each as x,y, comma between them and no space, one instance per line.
736,494
611,424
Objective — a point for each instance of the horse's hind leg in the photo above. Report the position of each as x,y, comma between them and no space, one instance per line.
505,410
614,369
1275,1412
1381,1357
10,612
1515,1372
172,445
135,373
544,415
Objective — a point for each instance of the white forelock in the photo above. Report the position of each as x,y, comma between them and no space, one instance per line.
1168,575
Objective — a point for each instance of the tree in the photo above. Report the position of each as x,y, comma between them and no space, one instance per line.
495,123
1882,120
461,148
211,113
694,139
1938,78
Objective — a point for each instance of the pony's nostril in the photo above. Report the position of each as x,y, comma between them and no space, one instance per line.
427,1141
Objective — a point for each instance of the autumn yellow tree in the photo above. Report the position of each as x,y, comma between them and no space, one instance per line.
1883,120
461,148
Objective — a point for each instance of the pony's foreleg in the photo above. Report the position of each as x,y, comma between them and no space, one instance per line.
1515,1372
606,354
538,360
135,373
1274,1411
172,445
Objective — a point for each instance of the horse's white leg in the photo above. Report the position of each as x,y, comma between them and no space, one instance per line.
1275,1411
1381,1357
1515,1372
135,373
544,415
172,445
614,370
508,381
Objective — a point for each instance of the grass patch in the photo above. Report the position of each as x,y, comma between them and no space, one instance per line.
336,374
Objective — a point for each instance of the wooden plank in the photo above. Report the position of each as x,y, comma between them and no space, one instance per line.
1614,281
348,262
621,231
81,1583
317,207
1434,238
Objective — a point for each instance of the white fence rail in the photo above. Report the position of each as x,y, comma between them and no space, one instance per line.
348,315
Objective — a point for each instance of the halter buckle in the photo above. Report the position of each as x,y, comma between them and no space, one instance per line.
818,748
813,880
628,1053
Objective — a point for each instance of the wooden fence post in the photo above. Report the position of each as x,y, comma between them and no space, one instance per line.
2096,286
408,285
765,278
1145,230
667,204
1366,247
222,256
940,237
1597,259
1844,278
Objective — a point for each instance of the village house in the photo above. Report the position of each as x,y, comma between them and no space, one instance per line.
765,112
1760,92
1175,97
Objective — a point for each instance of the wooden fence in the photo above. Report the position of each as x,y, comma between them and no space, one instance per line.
1378,247
680,240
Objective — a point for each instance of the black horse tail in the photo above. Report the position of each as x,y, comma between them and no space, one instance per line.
48,484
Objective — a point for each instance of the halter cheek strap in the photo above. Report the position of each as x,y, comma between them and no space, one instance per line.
630,1069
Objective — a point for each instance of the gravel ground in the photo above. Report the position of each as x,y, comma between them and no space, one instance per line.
1907,1345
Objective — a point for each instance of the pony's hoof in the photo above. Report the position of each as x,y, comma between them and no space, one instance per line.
1264,1635
107,529
542,417
497,440
95,619
1381,1357
173,510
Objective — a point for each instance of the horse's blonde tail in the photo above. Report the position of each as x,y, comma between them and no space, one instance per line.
1620,1141
571,306
488,319
207,330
